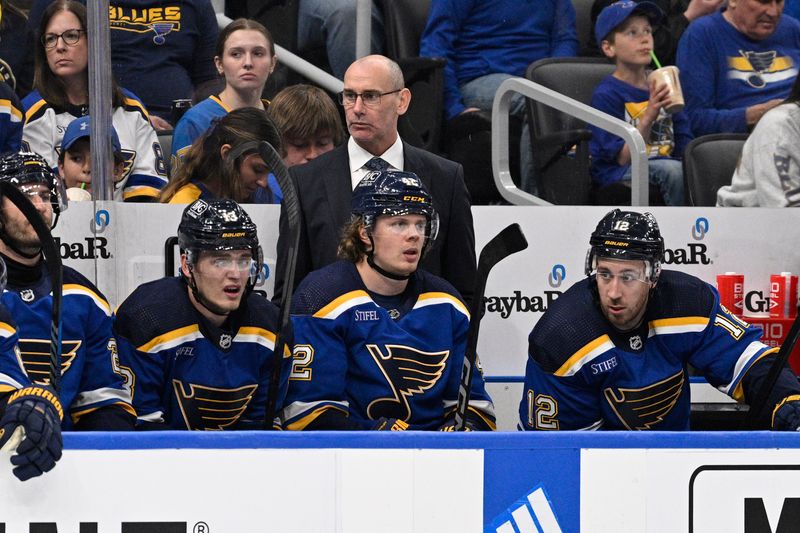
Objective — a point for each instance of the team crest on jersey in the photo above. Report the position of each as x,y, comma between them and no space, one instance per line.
644,408
27,295
408,371
225,341
35,355
635,342
209,408
159,20
759,69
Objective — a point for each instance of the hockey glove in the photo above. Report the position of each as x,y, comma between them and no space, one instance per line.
390,424
37,410
451,426
786,416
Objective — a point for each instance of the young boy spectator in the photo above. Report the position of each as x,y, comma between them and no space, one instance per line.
624,33
75,161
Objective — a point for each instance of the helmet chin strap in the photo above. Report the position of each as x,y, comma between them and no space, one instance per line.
381,271
201,300
8,242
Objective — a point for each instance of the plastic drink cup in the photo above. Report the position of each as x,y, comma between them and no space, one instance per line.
669,76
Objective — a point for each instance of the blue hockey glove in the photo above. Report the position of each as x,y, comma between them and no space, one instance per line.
390,424
37,410
786,416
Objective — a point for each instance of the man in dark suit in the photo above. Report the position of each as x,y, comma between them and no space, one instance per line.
374,97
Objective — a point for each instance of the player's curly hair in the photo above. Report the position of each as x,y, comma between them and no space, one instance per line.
50,86
203,163
351,247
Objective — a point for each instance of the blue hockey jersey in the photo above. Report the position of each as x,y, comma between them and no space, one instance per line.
582,373
12,371
90,374
351,355
188,374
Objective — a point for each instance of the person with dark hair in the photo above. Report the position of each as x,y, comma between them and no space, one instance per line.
200,346
161,50
366,355
10,120
245,57
737,64
768,171
374,97
613,352
92,388
62,94
224,161
16,62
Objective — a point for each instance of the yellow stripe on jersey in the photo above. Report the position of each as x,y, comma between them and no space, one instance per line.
684,324
76,415
6,330
131,102
591,351
171,338
262,336
140,190
743,64
221,103
186,194
8,107
302,423
74,288
342,304
433,298
34,110
738,392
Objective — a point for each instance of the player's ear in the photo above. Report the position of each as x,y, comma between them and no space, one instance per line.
185,270
364,236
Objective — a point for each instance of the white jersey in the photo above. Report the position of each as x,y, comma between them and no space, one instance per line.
145,174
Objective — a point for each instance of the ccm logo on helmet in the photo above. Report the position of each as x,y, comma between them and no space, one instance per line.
233,235
409,198
617,243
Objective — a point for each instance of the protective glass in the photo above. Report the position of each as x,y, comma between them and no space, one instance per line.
70,37
368,98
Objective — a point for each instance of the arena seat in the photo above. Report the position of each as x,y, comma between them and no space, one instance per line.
165,140
708,164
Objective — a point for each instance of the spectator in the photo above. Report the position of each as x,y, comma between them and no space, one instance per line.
224,163
92,387
162,50
768,173
624,34
245,57
75,159
16,62
738,64
374,97
392,370
203,340
613,352
486,43
10,120
677,16
62,94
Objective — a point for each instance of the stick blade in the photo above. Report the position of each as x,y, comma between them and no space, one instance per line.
509,241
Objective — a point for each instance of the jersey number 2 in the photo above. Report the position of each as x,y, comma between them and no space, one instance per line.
542,411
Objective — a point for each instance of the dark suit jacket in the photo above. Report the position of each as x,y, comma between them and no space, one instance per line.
324,191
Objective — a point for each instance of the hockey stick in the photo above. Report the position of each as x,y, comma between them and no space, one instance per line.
292,207
760,399
507,242
53,261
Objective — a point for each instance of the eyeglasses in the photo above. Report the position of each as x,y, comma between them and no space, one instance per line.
626,278
368,98
70,37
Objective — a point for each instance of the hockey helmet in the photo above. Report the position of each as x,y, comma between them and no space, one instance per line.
627,235
22,169
392,193
214,225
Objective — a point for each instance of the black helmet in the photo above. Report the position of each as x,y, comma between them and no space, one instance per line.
392,193
627,235
25,168
218,224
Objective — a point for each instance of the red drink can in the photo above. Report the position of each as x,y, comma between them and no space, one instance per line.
783,295
731,291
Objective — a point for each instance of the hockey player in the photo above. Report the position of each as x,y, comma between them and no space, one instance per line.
200,346
92,388
380,344
32,408
612,352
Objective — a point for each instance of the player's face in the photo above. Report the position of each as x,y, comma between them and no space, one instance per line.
757,19
253,174
398,242
373,127
633,42
16,227
624,290
221,278
77,166
66,60
246,62
299,151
